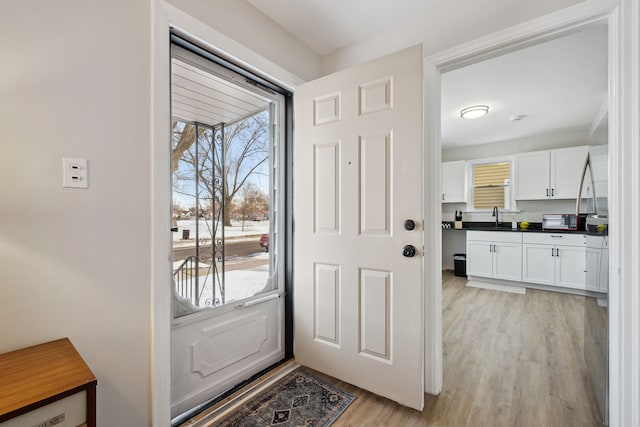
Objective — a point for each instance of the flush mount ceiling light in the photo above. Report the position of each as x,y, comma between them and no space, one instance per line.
474,112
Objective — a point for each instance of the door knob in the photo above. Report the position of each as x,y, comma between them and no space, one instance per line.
409,225
409,251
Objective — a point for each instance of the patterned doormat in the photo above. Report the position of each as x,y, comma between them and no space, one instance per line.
297,399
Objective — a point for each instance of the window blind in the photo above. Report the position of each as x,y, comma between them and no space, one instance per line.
489,183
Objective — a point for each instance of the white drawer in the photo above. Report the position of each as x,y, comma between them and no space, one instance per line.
594,242
72,408
495,236
561,239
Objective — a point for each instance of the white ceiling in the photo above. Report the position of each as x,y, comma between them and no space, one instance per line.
327,25
200,92
559,85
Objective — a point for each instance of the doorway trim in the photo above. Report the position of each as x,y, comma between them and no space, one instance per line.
622,18
164,17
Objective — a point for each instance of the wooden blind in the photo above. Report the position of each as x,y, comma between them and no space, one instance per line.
489,183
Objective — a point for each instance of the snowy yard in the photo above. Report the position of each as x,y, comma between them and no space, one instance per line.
251,228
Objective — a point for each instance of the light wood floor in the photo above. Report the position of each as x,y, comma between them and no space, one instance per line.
509,360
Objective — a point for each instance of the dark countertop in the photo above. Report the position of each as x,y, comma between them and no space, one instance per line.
534,227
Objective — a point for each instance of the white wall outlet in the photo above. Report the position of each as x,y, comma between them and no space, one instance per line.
75,173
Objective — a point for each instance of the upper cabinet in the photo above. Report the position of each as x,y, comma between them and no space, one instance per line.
549,174
454,180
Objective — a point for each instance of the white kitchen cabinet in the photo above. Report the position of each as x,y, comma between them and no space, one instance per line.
592,268
597,263
479,258
538,264
494,254
532,176
549,174
603,283
454,182
554,259
570,267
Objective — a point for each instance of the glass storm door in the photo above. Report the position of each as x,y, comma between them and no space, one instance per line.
227,210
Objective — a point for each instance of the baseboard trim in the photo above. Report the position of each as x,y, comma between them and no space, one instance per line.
497,287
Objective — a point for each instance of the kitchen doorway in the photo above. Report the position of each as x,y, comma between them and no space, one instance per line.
592,322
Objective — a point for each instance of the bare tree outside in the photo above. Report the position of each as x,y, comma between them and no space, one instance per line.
253,203
246,149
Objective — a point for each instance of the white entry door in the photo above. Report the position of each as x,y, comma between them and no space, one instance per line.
358,311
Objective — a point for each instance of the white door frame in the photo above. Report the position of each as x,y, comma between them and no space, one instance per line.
164,17
623,18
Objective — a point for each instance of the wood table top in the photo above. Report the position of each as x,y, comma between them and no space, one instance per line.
34,376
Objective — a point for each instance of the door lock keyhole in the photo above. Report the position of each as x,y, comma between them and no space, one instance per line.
409,251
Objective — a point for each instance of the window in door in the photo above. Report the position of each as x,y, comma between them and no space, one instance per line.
226,201
491,185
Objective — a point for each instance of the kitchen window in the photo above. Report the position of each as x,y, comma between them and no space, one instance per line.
491,184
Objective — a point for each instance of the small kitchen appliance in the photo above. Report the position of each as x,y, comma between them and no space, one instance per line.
563,221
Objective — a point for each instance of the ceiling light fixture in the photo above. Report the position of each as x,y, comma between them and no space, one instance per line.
474,112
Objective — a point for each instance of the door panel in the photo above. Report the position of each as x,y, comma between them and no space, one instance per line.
570,267
358,176
479,259
566,169
327,303
538,264
209,354
507,261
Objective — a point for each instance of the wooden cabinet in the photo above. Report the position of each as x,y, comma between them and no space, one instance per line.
549,174
554,259
494,254
454,182
46,382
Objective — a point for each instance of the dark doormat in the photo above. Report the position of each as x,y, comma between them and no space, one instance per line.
297,399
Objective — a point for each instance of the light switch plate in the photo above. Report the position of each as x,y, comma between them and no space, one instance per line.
75,173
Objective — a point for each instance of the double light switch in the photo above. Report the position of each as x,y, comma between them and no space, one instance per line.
74,173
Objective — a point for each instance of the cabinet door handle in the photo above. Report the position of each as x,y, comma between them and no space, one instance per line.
552,192
490,247
443,197
552,252
494,248
557,252
547,192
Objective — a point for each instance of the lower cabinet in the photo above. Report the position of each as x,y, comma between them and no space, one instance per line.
554,259
597,266
494,254
565,260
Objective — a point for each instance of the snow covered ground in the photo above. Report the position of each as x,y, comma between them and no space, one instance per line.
251,228
239,284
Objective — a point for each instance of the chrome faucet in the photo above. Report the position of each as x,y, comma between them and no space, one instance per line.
495,213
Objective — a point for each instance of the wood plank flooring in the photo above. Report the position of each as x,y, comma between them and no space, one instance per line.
509,360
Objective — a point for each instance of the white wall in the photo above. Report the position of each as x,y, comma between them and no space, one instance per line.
76,263
506,148
443,26
250,27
